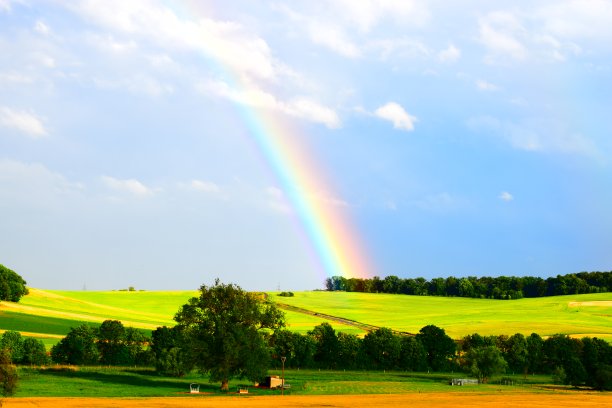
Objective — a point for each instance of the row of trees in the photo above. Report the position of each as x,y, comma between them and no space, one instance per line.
501,287
12,286
22,350
109,344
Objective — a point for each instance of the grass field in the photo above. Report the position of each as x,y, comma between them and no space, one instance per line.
576,315
124,382
49,315
126,388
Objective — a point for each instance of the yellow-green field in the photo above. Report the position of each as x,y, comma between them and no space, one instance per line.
576,315
49,315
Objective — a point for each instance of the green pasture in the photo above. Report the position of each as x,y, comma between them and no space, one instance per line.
49,315
462,316
125,382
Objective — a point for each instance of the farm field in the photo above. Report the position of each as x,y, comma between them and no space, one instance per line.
576,315
49,315
438,400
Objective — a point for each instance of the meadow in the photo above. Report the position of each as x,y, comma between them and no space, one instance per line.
49,315
575,315
91,382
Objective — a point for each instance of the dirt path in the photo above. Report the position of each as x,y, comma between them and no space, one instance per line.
363,326
467,400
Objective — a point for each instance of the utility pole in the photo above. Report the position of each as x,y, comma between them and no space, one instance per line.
283,358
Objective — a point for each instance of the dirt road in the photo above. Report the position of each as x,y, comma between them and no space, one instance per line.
443,400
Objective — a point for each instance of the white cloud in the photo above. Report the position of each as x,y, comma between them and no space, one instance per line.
450,54
33,184
308,109
576,20
227,42
506,196
203,186
396,114
300,107
486,86
500,33
366,14
131,186
332,37
536,136
24,122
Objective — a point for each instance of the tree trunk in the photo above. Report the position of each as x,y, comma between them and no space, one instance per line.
224,385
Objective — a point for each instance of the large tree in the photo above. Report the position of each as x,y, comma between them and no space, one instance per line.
12,286
440,348
223,332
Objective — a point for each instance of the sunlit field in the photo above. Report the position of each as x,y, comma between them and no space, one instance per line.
570,314
49,315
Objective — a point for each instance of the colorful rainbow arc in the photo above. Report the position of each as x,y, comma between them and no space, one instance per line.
334,239
332,236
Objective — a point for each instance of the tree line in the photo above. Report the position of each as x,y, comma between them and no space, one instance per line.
501,287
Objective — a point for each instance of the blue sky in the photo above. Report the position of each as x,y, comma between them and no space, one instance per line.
460,138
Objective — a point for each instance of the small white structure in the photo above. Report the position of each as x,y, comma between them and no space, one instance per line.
194,388
463,381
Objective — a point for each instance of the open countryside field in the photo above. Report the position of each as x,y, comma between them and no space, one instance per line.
49,315
116,387
576,315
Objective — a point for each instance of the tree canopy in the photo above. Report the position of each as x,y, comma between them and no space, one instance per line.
12,286
222,332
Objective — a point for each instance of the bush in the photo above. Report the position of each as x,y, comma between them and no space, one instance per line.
8,374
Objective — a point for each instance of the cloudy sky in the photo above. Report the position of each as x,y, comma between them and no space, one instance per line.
453,138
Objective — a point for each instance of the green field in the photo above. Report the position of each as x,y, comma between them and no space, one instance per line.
125,382
576,315
49,315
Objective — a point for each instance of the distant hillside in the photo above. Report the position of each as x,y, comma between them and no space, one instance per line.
49,315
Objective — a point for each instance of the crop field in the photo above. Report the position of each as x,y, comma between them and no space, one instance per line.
576,315
49,315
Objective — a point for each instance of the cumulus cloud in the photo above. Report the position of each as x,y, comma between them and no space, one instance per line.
450,54
506,196
131,186
395,113
22,121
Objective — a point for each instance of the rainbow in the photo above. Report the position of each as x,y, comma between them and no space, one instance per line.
334,239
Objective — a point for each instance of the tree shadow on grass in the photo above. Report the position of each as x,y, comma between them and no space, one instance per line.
132,378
